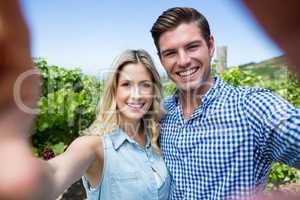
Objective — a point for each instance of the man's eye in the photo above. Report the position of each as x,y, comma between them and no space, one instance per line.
169,54
193,47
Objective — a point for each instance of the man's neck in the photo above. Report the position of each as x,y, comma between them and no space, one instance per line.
191,100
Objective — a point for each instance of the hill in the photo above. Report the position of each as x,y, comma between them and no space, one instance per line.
274,68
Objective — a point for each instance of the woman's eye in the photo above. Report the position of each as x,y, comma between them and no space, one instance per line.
147,85
125,84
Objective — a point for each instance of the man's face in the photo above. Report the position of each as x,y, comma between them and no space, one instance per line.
186,56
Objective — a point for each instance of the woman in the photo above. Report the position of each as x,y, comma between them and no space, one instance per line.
120,158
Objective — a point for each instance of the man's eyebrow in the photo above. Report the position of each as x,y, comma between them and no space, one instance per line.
194,42
167,50
188,44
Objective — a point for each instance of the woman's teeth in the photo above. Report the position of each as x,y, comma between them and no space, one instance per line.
135,105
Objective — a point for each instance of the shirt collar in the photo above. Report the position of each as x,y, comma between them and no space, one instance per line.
119,137
208,96
213,92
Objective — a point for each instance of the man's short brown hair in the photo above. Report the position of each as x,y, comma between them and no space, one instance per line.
173,17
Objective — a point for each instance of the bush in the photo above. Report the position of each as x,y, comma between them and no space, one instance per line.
282,174
67,106
168,88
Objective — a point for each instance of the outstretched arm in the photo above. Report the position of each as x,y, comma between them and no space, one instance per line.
71,165
22,175
277,127
19,169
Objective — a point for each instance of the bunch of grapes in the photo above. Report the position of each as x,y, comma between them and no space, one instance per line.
48,153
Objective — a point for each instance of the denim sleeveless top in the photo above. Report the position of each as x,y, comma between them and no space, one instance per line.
130,171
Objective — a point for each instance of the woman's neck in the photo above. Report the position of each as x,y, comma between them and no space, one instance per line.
133,129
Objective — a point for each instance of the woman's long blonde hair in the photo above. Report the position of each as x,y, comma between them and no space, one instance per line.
108,118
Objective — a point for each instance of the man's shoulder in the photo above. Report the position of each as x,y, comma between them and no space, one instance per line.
259,99
243,92
248,96
259,94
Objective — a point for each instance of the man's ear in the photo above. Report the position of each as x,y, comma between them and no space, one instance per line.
211,46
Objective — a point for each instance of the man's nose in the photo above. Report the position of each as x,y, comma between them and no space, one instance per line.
183,58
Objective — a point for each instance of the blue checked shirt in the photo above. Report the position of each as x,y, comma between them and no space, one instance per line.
226,148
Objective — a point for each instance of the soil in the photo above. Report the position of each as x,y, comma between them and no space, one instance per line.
75,192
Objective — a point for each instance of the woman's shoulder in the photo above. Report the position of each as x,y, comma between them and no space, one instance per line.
89,140
88,143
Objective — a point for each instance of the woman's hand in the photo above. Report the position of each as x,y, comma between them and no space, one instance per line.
22,176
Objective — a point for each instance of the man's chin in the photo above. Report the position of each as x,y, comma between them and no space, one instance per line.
194,87
189,86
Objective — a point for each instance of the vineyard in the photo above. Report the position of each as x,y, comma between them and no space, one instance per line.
69,100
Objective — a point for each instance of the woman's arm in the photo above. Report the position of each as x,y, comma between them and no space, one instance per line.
81,155
22,175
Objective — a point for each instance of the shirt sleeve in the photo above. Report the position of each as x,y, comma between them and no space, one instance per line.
276,124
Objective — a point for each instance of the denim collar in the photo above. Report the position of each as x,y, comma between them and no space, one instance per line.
119,137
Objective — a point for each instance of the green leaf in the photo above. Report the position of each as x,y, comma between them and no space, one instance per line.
58,148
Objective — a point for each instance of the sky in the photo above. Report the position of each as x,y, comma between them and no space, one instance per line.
90,34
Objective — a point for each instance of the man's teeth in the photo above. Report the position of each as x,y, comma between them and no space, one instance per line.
188,72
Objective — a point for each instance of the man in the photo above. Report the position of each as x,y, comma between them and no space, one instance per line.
218,141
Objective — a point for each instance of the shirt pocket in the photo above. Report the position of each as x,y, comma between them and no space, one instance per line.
127,185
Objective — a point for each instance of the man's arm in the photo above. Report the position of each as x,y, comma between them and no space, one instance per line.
277,126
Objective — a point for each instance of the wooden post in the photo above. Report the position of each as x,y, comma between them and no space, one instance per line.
221,59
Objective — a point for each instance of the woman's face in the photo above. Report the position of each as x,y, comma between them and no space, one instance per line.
134,92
